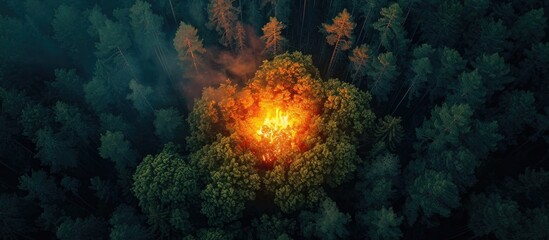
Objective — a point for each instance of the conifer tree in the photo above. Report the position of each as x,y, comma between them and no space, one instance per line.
223,16
188,45
359,60
272,35
339,34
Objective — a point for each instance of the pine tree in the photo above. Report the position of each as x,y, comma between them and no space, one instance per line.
339,35
188,45
272,35
382,74
223,16
359,59
391,28
389,131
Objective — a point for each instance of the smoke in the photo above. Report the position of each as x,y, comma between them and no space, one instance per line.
218,65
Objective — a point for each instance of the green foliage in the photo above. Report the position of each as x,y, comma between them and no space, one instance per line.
389,131
377,181
273,226
82,229
434,193
147,28
166,185
117,149
326,223
187,44
126,224
528,28
75,126
54,151
69,27
41,187
382,224
518,111
140,96
391,29
442,26
469,90
382,74
232,180
33,118
67,86
167,123
494,72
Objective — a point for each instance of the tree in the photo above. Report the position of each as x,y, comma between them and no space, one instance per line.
434,193
33,118
525,29
127,224
382,73
272,35
83,229
117,149
166,186
54,151
391,28
75,126
377,181
389,131
240,37
421,70
494,72
223,15
69,27
339,34
166,123
140,96
230,185
326,223
491,37
273,226
517,111
41,187
469,90
442,25
67,86
147,29
187,44
359,59
382,224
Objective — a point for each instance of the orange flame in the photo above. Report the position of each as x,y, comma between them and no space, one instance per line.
277,127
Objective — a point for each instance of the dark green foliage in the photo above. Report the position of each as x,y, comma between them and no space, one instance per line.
327,223
54,151
389,131
434,193
82,229
93,95
67,86
127,224
382,224
273,226
14,222
382,73
167,123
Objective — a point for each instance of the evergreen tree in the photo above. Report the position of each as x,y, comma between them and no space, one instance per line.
339,35
223,17
272,35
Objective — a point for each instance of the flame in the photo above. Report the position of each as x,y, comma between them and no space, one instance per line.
276,127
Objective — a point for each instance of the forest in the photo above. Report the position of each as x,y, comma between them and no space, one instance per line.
274,119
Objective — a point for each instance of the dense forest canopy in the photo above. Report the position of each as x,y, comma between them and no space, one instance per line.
274,119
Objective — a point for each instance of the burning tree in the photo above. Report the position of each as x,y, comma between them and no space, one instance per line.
286,131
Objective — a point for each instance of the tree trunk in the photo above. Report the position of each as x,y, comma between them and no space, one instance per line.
333,56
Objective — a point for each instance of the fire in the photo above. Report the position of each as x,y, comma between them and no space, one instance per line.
276,134
276,128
